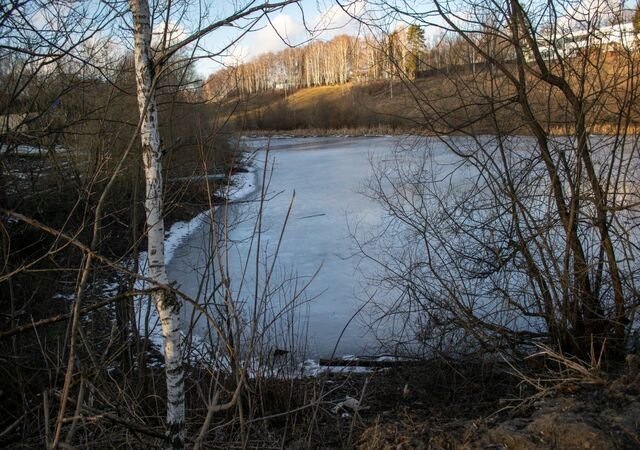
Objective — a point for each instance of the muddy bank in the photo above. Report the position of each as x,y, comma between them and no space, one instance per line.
574,414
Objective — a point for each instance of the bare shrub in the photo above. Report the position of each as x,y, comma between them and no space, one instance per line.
513,240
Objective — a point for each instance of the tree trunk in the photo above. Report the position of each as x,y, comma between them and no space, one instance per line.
167,303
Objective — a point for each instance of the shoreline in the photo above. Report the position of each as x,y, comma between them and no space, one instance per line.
242,185
382,131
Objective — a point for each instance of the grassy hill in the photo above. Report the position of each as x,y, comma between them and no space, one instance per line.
475,101
356,106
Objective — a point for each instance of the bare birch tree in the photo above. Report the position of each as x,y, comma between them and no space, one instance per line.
148,67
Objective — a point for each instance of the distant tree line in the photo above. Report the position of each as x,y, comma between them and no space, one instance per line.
401,53
338,61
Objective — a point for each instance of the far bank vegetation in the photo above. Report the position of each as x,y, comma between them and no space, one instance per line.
378,83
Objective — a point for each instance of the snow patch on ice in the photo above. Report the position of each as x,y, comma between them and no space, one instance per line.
180,231
244,184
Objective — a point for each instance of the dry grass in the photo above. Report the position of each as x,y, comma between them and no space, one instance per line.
442,103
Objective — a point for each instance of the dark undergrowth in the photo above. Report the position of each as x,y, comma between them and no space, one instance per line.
437,404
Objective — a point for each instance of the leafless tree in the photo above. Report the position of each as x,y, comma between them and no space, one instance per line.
54,55
533,236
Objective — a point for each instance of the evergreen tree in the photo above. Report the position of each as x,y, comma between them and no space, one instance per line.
415,43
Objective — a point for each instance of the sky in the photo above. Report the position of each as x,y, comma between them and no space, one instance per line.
294,25
102,28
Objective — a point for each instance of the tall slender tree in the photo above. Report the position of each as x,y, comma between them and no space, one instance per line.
415,44
148,67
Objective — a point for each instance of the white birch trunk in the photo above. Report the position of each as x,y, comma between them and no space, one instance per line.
166,302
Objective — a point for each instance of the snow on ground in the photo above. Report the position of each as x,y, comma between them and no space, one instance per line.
28,150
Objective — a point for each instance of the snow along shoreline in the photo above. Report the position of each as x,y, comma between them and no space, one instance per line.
241,185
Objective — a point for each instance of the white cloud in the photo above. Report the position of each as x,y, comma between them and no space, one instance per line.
237,55
337,20
283,26
275,34
175,32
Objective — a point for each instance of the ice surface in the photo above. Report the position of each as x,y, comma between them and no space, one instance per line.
328,177
319,248
329,212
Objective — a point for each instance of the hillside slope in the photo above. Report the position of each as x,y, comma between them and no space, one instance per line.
475,101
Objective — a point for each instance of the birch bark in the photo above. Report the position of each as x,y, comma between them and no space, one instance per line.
167,303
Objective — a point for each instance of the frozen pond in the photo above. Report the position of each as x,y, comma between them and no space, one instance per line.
311,290
317,252
327,175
